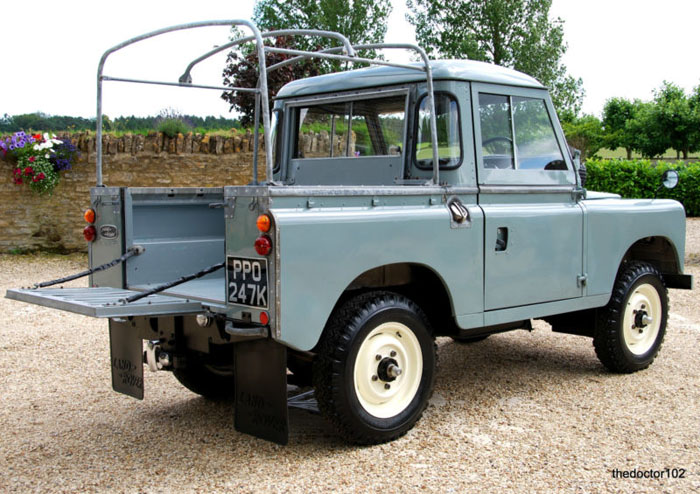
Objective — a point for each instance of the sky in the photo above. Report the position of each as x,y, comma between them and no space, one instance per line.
51,50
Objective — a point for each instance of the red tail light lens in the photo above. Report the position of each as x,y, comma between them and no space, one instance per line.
89,215
263,245
264,318
89,233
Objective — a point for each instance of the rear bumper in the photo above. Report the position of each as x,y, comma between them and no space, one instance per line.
680,281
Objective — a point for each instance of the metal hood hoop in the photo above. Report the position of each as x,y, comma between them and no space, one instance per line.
348,53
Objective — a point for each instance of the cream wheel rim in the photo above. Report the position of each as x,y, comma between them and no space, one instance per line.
642,319
388,370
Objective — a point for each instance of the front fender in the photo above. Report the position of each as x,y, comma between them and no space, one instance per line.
614,225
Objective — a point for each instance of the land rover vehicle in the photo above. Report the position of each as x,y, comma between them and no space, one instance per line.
401,202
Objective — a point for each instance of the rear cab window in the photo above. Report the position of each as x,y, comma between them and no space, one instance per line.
349,141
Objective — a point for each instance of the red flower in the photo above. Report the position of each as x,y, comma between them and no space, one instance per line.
35,178
29,171
18,180
37,137
17,171
41,176
31,159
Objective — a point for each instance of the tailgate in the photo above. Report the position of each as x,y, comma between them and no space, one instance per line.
104,301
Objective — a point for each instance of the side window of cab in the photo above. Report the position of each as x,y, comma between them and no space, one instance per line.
517,141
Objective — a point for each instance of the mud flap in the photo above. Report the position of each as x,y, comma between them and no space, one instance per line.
126,360
261,390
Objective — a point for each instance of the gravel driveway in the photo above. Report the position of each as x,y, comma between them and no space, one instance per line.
518,412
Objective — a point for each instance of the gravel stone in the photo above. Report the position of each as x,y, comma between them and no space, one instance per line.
518,412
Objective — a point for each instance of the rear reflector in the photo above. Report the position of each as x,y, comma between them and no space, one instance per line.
263,245
89,233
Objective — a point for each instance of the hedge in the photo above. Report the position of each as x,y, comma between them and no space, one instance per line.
641,179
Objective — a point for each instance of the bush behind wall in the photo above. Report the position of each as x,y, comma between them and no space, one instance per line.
641,179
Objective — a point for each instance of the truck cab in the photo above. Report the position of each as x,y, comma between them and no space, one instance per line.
401,203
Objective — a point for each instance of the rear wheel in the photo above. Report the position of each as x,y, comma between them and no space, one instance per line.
632,326
209,381
375,369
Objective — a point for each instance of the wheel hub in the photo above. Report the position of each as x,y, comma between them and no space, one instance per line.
388,370
641,320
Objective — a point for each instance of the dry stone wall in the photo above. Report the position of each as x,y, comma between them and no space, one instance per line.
32,222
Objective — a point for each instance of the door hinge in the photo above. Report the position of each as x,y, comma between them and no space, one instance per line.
578,194
581,279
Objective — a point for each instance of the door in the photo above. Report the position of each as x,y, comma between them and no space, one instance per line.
533,238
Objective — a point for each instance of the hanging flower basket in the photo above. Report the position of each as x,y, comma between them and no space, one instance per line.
38,159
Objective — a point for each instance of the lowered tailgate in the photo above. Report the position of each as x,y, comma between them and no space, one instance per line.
104,301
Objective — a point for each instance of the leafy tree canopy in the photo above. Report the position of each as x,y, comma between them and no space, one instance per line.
361,21
511,33
616,113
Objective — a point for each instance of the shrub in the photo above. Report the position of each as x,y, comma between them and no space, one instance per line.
172,127
641,179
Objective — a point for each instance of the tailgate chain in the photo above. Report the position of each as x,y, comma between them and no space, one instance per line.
131,252
171,284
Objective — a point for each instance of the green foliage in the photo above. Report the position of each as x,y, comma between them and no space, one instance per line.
640,179
511,33
361,21
681,122
670,120
35,122
585,134
616,113
172,127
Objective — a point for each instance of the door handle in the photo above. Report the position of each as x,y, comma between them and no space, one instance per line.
501,239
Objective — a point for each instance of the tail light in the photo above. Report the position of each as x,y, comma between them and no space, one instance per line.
89,232
264,223
264,318
89,215
263,245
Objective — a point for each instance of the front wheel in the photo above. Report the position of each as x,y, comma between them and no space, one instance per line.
375,367
632,326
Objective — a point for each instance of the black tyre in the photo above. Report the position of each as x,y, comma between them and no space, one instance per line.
467,340
213,383
631,328
375,367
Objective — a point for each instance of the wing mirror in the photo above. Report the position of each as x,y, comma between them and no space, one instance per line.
669,180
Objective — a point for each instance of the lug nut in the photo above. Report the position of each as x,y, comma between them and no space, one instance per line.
378,357
387,386
374,378
393,353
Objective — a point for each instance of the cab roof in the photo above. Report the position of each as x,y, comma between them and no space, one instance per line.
463,70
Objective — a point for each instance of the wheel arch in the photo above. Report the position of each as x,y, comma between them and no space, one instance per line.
417,281
656,250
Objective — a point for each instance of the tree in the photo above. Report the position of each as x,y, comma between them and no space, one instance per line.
512,33
361,21
585,134
674,114
616,113
648,137
242,71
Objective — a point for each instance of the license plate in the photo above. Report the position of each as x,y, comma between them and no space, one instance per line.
247,282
